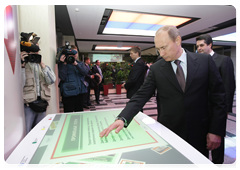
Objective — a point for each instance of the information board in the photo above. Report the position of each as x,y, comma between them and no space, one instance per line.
74,139
107,57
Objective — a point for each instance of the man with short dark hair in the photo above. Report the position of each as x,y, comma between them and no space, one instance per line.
136,74
224,64
184,81
88,78
96,69
72,85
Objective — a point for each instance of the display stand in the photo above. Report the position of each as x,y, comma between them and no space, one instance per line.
74,139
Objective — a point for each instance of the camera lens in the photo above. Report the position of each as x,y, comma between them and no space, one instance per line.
32,58
70,59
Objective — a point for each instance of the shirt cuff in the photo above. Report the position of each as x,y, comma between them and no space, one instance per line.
123,119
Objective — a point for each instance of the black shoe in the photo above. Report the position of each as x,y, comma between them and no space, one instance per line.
89,104
97,102
85,107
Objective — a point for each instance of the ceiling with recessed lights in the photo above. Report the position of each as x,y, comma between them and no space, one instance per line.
119,27
139,24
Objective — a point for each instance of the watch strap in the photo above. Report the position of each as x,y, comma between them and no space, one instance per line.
123,119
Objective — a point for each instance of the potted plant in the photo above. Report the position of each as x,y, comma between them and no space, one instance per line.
107,78
119,79
126,70
110,67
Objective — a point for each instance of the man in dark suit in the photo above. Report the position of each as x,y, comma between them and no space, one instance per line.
136,74
88,77
225,67
96,69
183,92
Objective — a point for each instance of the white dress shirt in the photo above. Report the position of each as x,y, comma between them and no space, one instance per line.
100,71
137,59
183,63
212,52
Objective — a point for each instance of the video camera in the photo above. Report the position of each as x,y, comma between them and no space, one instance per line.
68,52
28,44
33,58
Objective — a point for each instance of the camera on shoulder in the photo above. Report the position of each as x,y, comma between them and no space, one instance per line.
33,58
68,52
28,43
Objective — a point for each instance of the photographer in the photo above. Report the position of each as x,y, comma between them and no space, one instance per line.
72,85
36,78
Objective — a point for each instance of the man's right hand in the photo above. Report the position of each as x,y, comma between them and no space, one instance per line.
62,59
23,55
118,125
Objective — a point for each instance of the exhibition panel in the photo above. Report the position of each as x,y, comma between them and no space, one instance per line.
74,139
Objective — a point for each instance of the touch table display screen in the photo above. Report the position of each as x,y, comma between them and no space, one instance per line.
74,139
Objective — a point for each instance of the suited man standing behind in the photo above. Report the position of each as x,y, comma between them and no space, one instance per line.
88,78
136,74
96,69
185,82
225,67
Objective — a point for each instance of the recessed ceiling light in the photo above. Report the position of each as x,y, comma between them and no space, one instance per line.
133,23
112,47
227,37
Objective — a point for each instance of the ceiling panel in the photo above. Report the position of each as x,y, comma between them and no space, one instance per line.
85,21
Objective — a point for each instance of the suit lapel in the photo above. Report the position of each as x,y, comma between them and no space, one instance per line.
214,57
192,67
167,70
97,71
134,65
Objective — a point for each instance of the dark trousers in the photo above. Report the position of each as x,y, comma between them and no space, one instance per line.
218,154
97,91
73,103
86,97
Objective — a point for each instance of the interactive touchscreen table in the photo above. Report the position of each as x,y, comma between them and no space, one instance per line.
74,139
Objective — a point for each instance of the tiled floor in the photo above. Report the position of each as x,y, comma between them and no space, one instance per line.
113,101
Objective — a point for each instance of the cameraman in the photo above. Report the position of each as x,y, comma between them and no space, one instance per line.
36,92
72,85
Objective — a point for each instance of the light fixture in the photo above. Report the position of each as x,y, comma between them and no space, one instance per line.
227,37
112,47
134,23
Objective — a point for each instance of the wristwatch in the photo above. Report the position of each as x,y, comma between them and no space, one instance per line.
123,119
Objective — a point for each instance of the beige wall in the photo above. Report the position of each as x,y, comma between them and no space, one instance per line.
40,19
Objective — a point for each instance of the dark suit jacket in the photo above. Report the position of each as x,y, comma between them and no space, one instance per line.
226,70
185,113
88,76
135,78
94,71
